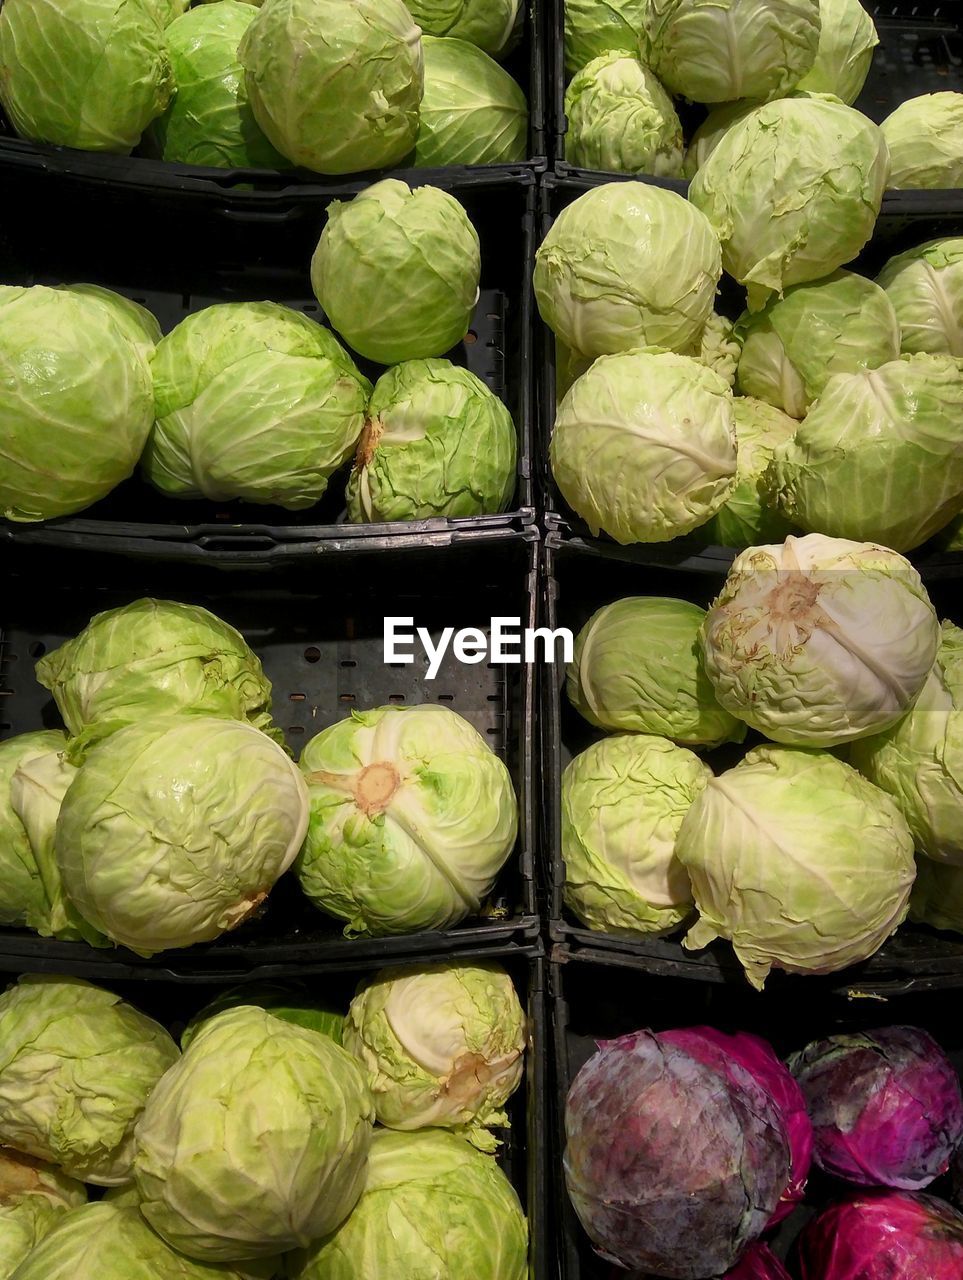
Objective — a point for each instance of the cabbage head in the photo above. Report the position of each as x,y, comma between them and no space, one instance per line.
627,265
111,1241
154,657
925,140
138,325
937,898
711,132
637,668
792,190
879,456
412,818
925,286
490,25
335,105
623,801
820,640
23,898
919,761
90,74
840,324
33,1198
253,401
443,1045
432,1205
569,365
176,828
594,27
83,1043
847,38
396,271
747,517
620,118
75,400
210,121
721,50
798,861
287,1001
437,442
644,446
255,1142
473,112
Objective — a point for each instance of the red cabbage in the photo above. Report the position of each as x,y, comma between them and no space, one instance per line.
885,1105
758,1263
884,1235
673,1167
760,1060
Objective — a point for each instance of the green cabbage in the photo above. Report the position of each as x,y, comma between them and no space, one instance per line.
747,518
594,27
925,140
797,860
412,817
443,1045
97,1059
623,801
925,286
937,898
438,442
23,899
255,1142
711,132
847,39
286,1001
473,112
493,27
33,1198
620,118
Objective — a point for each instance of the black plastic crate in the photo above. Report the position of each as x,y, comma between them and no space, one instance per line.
593,996
175,268
319,636
907,219
214,193
920,51
577,581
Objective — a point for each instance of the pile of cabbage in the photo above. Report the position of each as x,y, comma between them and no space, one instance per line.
829,405
259,85
836,807
256,402
169,807
755,65
685,1148
283,1137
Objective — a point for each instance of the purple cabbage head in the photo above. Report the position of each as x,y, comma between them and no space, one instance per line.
673,1166
885,1105
758,1263
884,1235
771,1073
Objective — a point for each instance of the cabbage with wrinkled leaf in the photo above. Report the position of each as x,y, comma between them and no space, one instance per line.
719,348
925,286
925,140
711,132
33,1198
938,895
594,27
620,118
847,39
23,899
491,26
473,112
747,518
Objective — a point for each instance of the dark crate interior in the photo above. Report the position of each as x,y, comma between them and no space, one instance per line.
254,261
319,635
578,583
598,998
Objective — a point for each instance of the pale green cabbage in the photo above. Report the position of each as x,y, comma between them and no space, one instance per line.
443,1045
432,1206
253,401
793,190
335,105
620,118
937,898
747,518
798,861
721,50
925,286
820,640
623,801
711,132
23,899
919,761
840,324
569,365
720,347
847,39
925,140
627,265
287,1001
491,25
396,271
879,456
412,817
85,1045
637,667
644,446
437,442
473,112
176,828
594,27
256,1141
90,74
33,1198
75,401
